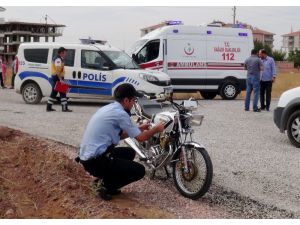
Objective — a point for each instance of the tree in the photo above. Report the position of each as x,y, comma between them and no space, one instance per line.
278,55
294,56
258,45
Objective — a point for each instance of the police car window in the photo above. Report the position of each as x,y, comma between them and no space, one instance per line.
36,55
92,60
121,59
70,56
149,52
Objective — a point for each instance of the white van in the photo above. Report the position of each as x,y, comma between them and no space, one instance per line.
92,70
198,58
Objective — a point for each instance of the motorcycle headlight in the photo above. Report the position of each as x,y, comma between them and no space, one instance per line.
148,77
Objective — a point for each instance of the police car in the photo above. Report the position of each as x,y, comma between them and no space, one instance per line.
93,71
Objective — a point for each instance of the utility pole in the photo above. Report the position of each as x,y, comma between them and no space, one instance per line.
234,14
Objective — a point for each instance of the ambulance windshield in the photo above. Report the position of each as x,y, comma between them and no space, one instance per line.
136,46
121,59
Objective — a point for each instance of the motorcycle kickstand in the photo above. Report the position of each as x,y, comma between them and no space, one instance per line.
167,172
152,175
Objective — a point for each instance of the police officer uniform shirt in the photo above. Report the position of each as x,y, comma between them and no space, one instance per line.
104,129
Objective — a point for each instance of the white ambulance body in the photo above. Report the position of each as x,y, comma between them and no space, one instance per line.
92,70
198,58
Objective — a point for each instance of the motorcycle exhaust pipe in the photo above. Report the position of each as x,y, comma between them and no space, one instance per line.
133,145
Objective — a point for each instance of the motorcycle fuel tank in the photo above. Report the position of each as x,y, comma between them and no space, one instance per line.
165,117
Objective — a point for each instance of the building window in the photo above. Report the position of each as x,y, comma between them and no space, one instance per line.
36,55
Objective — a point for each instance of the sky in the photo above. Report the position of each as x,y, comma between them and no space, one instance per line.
120,25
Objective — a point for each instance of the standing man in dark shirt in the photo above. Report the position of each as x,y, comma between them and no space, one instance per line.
253,65
267,79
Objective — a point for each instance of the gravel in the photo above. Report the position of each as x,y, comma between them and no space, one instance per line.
256,169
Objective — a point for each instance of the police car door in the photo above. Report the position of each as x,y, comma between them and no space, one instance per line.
70,71
95,80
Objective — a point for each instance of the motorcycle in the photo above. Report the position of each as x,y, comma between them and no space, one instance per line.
192,169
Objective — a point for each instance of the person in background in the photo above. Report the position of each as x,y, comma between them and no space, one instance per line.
268,77
114,166
58,72
1,78
15,68
254,66
3,75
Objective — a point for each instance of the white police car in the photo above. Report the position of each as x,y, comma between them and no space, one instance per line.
93,70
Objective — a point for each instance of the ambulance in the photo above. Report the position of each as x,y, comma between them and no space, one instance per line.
93,71
198,58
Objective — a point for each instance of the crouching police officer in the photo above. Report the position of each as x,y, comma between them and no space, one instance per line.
58,72
114,166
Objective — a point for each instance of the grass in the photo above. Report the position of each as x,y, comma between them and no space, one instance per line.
284,82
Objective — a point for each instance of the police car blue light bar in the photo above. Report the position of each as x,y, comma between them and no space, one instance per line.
209,32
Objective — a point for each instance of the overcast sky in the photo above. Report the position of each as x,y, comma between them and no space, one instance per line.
121,26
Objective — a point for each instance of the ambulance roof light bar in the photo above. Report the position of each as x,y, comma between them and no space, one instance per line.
174,22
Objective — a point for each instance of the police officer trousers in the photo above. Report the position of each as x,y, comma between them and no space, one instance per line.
115,167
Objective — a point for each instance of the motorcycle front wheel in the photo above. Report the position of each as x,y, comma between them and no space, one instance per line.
195,181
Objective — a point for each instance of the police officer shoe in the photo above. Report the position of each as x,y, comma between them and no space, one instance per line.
103,193
49,108
100,190
65,108
114,192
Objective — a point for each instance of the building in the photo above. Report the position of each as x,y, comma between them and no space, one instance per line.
267,38
291,41
13,33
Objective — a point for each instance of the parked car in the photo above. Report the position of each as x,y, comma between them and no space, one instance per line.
287,115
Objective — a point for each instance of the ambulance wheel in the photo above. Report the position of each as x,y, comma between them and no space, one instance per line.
208,95
31,93
229,90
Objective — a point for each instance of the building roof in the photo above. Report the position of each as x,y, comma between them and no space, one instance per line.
260,31
33,24
154,26
297,33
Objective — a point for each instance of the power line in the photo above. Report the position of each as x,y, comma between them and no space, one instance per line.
234,14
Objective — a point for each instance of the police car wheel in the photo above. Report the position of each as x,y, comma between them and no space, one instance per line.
229,90
31,93
293,128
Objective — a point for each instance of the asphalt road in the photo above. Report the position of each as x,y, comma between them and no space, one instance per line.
250,156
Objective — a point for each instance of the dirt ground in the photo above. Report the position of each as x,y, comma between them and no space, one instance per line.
36,181
39,178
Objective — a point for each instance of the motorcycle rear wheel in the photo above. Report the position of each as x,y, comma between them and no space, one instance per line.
195,182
